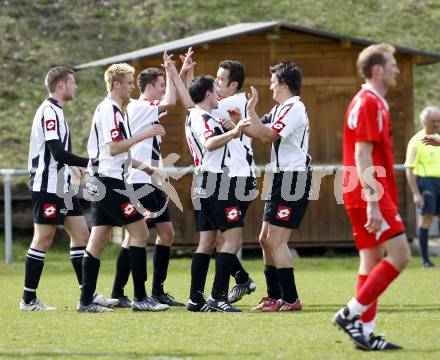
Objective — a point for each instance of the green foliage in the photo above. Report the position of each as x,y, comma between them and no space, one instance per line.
408,313
36,35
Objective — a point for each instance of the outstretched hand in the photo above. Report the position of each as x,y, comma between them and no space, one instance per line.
252,100
187,62
433,140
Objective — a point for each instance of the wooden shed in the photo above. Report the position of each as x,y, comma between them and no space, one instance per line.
328,62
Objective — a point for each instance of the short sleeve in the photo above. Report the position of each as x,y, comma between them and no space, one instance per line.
205,127
369,122
411,154
50,124
288,119
109,124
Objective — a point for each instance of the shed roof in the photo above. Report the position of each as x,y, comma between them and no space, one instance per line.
421,57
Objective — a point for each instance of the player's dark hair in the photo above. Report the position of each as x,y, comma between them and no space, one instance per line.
199,87
236,72
55,75
289,74
148,76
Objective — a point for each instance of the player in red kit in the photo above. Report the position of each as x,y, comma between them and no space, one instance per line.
370,197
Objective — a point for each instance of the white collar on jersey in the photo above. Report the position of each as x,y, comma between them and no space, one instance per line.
375,92
113,102
290,100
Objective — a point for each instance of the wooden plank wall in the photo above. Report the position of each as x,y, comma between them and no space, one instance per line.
330,81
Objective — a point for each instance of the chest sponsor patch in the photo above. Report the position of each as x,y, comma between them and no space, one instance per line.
284,213
208,133
115,134
232,214
49,211
128,209
50,125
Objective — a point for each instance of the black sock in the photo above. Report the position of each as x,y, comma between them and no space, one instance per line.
138,267
90,271
199,271
223,264
76,257
122,273
33,268
238,272
287,284
161,259
423,243
272,283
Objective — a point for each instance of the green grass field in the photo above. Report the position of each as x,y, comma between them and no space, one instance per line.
409,314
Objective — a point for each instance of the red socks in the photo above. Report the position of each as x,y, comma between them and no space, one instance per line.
382,275
370,314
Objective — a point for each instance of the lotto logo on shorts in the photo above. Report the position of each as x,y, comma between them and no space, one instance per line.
116,135
128,209
278,126
283,213
232,214
51,125
148,215
49,211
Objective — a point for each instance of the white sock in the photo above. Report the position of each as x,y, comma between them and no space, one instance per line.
355,308
369,327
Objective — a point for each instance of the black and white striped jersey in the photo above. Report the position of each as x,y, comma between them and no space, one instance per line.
241,156
108,125
289,120
45,173
200,126
143,114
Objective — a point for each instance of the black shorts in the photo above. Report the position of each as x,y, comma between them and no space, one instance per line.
219,209
51,209
429,187
155,203
114,208
245,190
288,199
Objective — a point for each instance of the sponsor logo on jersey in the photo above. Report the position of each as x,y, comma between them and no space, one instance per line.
115,134
283,213
50,125
232,214
49,211
278,126
128,209
208,133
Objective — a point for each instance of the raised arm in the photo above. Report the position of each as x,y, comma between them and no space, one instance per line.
169,98
187,71
182,91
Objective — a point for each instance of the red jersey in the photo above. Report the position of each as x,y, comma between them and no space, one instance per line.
368,120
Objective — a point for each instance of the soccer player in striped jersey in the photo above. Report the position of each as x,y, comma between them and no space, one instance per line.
229,83
51,164
372,206
108,147
287,131
156,95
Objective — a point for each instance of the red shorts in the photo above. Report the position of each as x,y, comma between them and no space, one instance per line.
391,227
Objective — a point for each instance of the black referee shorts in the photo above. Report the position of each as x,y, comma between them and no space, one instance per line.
114,208
288,199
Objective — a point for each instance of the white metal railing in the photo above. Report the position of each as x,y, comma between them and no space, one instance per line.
8,174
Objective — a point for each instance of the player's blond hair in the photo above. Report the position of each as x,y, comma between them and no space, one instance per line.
373,55
116,72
